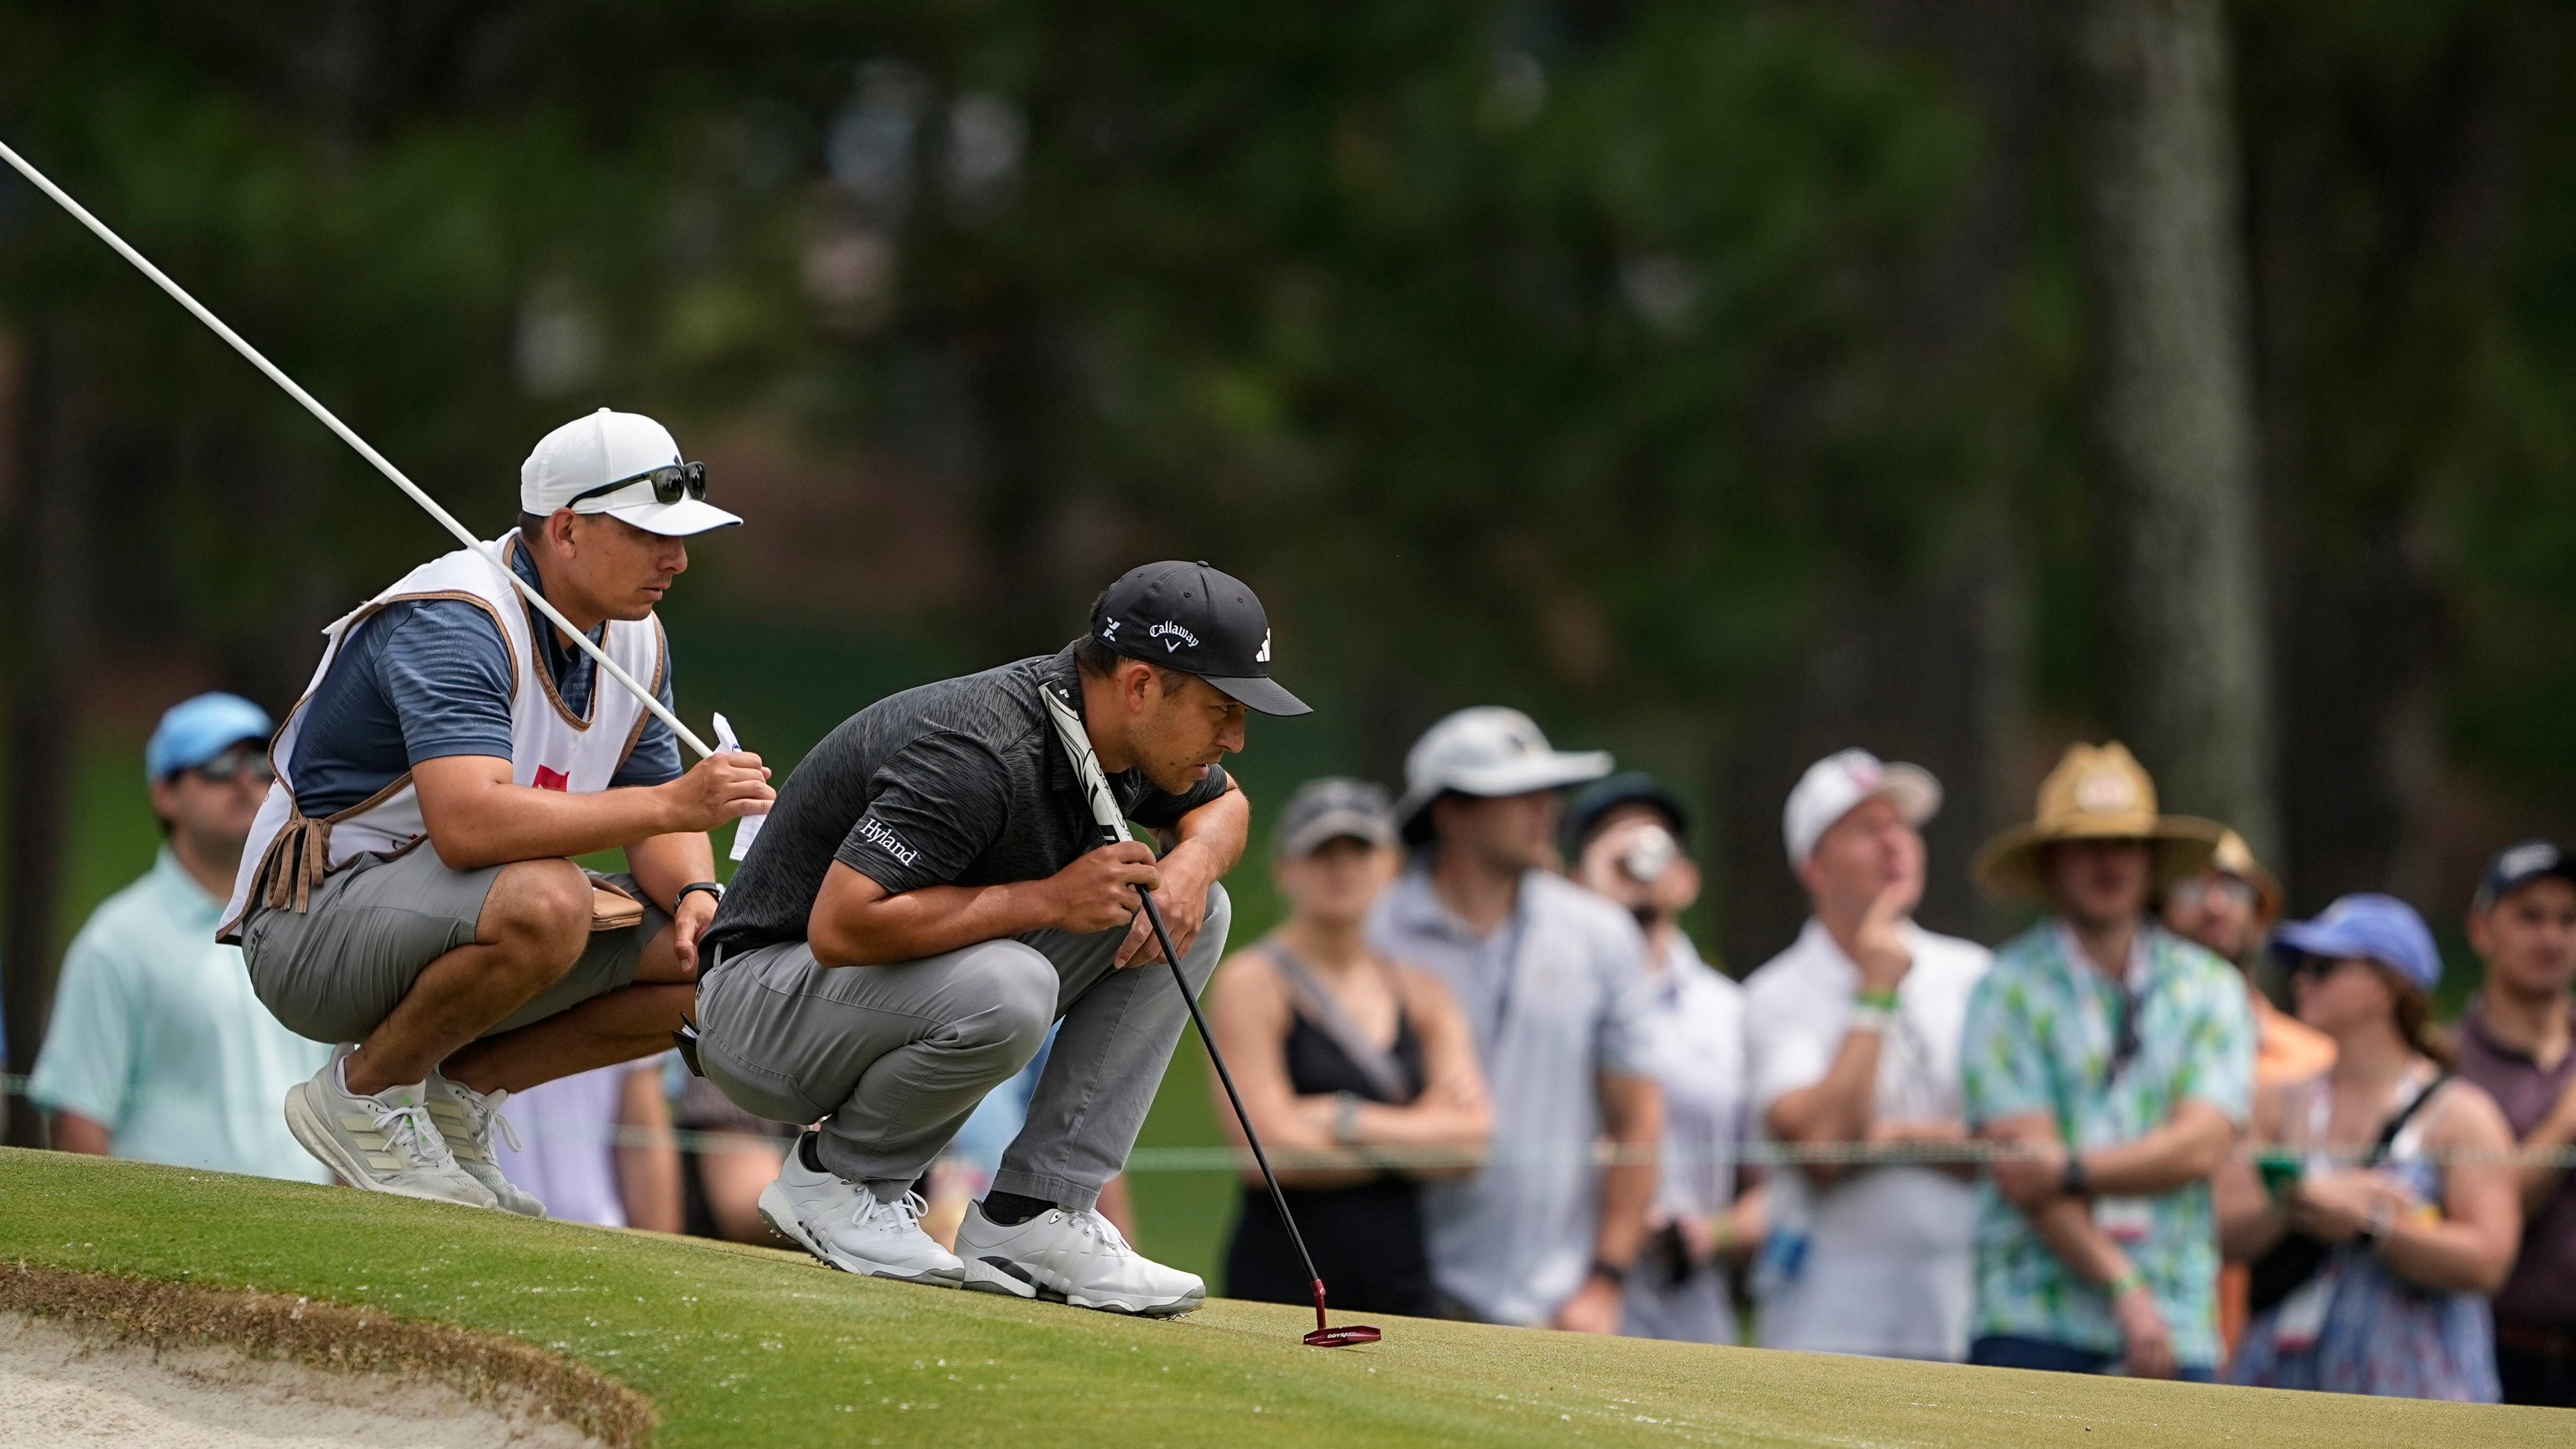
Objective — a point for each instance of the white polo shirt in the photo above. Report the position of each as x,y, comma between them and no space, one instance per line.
1697,1026
1696,1023
1877,1262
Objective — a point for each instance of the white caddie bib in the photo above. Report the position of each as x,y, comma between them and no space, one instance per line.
551,748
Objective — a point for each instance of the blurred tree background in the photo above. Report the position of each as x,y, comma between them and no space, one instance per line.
1724,383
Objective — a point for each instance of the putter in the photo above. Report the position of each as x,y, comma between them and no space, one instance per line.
1113,824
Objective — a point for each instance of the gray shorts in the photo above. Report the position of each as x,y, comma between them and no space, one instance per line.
335,971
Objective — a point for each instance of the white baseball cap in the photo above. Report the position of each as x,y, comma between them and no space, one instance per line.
1836,785
1488,751
602,463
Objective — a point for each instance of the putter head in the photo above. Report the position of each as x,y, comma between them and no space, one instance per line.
1349,1335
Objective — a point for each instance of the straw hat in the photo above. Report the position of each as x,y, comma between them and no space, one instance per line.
2234,857
2098,792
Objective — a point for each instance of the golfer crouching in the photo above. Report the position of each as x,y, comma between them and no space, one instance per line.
930,893
407,886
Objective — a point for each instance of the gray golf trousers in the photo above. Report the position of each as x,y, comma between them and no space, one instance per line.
891,1060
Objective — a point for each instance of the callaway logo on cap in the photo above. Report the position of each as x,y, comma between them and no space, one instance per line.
1195,619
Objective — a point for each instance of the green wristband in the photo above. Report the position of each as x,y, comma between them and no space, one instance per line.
1878,1000
2121,1286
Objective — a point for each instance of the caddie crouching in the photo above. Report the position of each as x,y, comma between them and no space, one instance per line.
931,893
406,892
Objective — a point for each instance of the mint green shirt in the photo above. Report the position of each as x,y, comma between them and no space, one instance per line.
2039,1037
157,1037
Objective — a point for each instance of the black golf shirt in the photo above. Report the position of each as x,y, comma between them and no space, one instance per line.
956,783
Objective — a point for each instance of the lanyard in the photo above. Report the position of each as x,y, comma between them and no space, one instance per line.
1514,931
2120,1040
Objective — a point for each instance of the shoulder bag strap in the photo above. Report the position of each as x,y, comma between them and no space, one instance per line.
1317,1005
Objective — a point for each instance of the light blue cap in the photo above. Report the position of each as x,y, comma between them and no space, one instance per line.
196,730
2370,927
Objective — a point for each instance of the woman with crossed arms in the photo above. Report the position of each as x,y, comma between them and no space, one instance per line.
1337,1048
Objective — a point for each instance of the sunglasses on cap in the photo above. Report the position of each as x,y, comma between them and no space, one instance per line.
234,762
671,483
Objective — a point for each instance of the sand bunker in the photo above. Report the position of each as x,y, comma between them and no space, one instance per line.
64,1387
90,1360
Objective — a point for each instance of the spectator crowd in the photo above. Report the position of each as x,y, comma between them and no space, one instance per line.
1515,1092
1506,1085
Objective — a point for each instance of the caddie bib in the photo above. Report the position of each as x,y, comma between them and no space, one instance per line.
551,748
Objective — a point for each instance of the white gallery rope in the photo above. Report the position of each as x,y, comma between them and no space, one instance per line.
1216,1158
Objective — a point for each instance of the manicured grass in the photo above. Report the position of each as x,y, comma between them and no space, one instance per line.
745,1346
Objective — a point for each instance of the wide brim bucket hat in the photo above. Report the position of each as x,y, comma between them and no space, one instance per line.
2097,792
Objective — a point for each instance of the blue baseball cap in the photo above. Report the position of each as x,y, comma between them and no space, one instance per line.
196,730
2371,927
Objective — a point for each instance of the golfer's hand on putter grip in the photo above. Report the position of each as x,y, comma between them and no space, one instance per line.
1098,891
726,785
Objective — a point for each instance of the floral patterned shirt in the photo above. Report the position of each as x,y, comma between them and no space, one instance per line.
2043,1028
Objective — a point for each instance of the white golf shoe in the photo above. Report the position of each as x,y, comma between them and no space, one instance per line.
383,1143
845,1226
466,1117
1070,1257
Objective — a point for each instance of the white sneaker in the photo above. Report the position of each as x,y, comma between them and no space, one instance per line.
466,1117
1070,1257
384,1143
848,1228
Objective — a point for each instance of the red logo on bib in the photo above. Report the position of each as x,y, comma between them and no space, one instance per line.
553,780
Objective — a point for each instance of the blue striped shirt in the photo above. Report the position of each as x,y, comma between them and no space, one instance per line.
431,678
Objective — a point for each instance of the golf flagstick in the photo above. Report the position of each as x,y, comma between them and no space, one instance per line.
445,519
1113,825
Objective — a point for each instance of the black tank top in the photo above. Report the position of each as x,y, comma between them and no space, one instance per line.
1318,1067
1367,1238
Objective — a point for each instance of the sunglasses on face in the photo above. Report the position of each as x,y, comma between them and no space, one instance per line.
2317,968
671,483
234,763
2192,894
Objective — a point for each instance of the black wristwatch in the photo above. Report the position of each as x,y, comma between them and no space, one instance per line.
712,888
1609,1272
2075,1181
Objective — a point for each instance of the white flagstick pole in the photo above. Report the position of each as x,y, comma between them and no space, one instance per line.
446,520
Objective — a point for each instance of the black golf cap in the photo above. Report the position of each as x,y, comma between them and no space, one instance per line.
1190,617
2518,865
1628,787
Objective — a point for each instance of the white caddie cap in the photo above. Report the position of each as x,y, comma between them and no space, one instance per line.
1488,751
1835,786
590,453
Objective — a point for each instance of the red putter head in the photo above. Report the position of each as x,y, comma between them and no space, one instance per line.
1349,1335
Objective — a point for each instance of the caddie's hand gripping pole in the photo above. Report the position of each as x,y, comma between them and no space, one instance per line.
446,520
1113,826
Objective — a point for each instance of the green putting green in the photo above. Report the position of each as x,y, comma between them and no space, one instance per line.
746,1346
